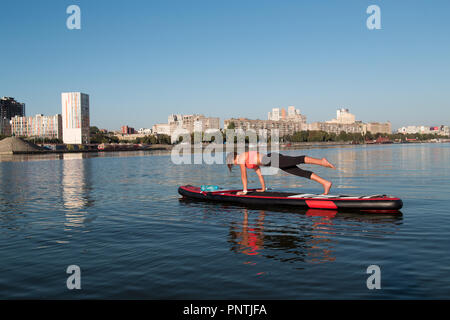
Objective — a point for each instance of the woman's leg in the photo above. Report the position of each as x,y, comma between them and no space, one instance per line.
321,162
290,161
325,183
296,171
299,172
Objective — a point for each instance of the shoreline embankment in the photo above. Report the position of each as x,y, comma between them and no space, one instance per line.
21,147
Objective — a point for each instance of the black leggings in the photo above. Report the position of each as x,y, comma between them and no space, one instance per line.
287,164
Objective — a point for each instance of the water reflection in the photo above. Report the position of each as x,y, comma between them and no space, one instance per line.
291,235
310,240
310,243
320,244
12,200
245,238
12,179
76,187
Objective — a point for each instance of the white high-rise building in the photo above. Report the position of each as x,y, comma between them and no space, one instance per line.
275,115
343,116
295,115
175,118
75,117
292,111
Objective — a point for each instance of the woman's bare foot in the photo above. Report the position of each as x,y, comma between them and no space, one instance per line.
325,183
326,187
326,163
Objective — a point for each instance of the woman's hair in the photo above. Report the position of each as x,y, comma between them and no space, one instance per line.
230,159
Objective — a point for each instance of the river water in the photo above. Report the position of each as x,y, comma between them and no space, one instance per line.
118,217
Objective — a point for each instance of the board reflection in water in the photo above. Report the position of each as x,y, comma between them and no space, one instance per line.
296,236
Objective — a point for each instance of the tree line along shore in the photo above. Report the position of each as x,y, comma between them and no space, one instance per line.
151,142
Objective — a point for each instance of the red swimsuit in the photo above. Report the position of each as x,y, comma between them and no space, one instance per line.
251,160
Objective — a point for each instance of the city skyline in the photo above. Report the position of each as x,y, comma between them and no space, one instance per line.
230,59
289,112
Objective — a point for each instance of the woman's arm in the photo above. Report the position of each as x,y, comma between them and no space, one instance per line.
261,180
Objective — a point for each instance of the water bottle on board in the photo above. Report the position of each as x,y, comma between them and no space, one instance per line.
209,188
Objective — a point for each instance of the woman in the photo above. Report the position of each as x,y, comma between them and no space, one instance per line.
254,159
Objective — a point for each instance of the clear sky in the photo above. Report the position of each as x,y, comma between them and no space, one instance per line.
140,60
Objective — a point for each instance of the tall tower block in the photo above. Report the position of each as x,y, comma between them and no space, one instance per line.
75,117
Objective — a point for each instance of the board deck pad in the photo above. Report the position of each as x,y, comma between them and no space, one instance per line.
306,200
306,195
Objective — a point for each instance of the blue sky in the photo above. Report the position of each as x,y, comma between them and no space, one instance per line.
141,60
